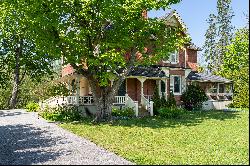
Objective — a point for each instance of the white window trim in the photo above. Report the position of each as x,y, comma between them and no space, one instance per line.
179,93
176,58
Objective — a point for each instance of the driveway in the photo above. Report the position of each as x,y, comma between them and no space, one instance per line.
27,139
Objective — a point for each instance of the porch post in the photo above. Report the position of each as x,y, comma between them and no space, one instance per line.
77,90
166,88
158,82
142,81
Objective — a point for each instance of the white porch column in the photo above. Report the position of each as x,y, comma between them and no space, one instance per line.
77,90
142,81
158,84
166,88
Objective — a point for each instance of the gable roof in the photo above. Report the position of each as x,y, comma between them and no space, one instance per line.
173,15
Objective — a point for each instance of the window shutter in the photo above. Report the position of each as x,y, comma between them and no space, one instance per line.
171,84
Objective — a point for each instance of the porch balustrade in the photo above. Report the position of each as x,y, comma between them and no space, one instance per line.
120,100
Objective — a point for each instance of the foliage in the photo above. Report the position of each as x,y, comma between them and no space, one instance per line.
193,97
32,91
171,103
210,43
236,67
218,35
100,39
197,138
65,113
161,102
56,89
19,55
170,112
157,101
32,107
125,112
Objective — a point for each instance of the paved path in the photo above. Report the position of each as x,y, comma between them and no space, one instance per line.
25,139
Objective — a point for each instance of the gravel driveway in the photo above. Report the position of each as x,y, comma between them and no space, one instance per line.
25,139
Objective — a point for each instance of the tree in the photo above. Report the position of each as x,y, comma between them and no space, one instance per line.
218,35
101,39
191,102
19,55
236,67
224,18
210,54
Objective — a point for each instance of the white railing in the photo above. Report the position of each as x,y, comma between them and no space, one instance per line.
120,100
148,105
71,100
131,104
148,97
218,95
86,100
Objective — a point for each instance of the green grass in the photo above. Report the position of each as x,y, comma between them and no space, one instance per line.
213,137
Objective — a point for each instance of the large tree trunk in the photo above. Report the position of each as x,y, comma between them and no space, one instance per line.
104,98
16,80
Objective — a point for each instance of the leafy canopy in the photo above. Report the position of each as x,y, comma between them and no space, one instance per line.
95,35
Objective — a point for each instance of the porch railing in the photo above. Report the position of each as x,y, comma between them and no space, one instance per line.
120,100
148,104
131,104
86,100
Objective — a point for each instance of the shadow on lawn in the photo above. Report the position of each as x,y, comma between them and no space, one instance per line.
190,118
26,145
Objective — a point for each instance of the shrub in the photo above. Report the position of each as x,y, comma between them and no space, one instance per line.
126,112
171,101
64,113
170,112
157,101
32,107
193,97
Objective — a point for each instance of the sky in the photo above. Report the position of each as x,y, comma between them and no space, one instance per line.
195,12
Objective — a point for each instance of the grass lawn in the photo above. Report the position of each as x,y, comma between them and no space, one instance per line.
213,137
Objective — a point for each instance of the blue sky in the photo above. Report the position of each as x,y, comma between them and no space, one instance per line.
195,12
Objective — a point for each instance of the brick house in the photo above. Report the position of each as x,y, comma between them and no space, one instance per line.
169,75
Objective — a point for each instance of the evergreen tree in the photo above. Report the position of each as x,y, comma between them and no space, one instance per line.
210,42
218,35
224,18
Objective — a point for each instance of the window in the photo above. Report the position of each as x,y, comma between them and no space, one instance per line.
173,58
221,88
175,84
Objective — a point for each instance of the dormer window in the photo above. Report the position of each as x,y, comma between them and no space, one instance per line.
173,58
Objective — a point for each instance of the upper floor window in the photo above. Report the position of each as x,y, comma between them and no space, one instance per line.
174,57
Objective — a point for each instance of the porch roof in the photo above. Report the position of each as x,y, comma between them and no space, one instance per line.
204,77
147,71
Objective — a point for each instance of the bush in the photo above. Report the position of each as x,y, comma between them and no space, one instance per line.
64,113
126,112
32,107
170,112
193,97
171,101
157,101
